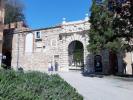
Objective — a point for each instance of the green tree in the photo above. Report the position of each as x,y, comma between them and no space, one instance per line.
102,35
123,21
14,11
111,29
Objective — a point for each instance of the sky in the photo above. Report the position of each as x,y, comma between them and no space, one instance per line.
46,13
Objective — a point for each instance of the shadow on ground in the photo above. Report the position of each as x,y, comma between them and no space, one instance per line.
92,75
100,75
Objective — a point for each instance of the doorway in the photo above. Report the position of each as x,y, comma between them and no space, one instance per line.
76,55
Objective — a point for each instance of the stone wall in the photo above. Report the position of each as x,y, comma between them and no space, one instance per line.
50,47
53,45
128,58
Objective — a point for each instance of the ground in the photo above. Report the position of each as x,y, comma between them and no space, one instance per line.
100,88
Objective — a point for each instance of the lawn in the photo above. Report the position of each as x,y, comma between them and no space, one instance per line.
35,86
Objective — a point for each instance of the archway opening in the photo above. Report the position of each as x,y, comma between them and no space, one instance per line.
76,55
98,63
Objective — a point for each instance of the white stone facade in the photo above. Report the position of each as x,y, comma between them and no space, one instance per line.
35,49
33,53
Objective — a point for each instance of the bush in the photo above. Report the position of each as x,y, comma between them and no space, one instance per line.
34,86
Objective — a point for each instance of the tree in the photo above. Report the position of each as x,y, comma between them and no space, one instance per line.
13,11
123,18
101,34
123,21
111,28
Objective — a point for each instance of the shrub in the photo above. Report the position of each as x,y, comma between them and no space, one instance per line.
34,86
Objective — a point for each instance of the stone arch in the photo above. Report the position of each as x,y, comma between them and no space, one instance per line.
29,43
69,39
75,37
76,55
98,63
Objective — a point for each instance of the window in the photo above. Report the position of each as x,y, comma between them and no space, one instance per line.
38,35
29,43
54,42
60,37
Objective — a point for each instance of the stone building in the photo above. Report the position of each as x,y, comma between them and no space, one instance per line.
36,49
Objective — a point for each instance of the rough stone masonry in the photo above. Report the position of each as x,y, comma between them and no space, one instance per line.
35,49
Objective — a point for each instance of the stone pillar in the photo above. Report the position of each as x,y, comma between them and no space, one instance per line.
105,61
132,62
120,63
86,53
14,51
64,59
1,27
17,50
89,63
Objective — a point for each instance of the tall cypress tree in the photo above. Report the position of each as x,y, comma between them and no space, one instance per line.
101,34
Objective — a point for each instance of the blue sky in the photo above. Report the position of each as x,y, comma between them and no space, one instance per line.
45,13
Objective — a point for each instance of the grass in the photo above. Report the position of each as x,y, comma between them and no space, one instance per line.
35,86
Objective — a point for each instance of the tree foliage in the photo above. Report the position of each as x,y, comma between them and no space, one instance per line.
14,11
111,25
123,21
101,32
123,17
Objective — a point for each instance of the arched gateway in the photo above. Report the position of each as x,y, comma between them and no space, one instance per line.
65,45
76,55
74,50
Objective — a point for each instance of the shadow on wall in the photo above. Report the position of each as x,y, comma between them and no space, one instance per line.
116,65
93,64
89,67
7,48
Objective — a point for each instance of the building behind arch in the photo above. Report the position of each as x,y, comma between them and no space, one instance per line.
35,49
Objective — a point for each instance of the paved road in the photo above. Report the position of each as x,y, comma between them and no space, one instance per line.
105,88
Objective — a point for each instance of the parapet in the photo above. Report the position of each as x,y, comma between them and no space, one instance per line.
15,25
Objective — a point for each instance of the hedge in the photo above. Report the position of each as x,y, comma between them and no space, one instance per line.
35,86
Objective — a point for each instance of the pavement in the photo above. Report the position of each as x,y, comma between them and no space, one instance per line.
100,87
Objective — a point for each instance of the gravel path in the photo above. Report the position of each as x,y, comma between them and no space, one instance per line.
96,88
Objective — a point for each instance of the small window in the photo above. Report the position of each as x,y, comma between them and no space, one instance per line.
38,35
60,37
54,42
